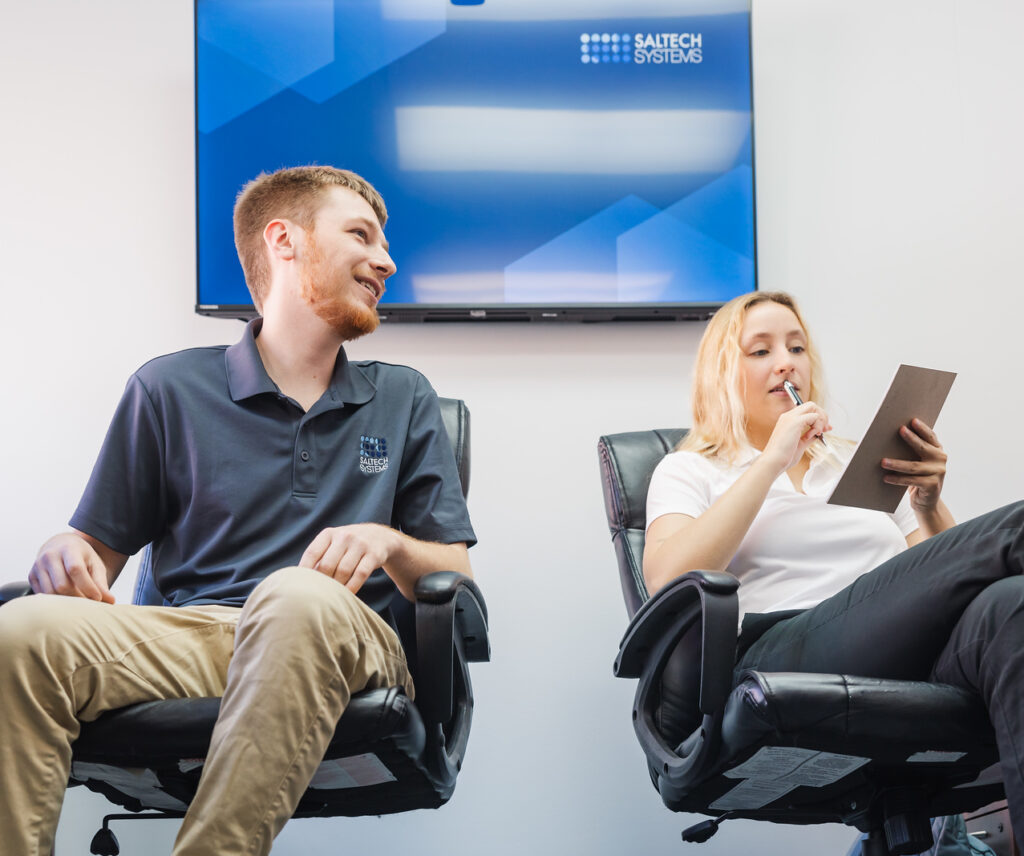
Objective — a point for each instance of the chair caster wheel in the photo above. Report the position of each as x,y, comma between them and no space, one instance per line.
104,843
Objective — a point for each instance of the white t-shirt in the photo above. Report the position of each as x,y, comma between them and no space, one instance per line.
799,550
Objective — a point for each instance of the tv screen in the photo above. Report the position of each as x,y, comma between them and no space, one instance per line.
540,159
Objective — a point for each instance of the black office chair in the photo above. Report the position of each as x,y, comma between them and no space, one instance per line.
388,754
879,755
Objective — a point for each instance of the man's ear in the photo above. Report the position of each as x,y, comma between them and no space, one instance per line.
279,236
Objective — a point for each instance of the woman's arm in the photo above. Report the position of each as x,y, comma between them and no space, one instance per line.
677,543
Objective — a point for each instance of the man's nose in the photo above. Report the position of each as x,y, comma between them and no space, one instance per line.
385,264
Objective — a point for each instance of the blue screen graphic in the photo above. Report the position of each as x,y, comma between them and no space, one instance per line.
542,154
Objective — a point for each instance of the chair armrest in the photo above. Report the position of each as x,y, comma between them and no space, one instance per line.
451,629
699,600
709,596
9,591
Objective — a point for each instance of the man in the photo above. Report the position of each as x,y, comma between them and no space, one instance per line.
273,478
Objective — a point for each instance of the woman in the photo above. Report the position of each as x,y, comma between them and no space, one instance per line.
743,494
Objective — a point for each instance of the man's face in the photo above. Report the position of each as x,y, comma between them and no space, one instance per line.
345,264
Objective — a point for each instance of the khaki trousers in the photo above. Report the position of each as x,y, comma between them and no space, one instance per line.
286,665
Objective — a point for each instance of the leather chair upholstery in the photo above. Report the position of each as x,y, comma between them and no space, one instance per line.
142,757
880,755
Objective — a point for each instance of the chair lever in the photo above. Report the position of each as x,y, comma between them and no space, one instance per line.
701,832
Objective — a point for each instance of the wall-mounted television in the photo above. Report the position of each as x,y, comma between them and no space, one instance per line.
541,159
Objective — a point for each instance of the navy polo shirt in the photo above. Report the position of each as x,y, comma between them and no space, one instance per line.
230,480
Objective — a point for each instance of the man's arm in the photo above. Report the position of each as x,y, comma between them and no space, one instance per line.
76,565
350,554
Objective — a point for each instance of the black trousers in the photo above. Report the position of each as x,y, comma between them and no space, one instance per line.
949,610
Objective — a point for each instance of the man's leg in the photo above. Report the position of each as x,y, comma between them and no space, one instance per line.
64,660
304,644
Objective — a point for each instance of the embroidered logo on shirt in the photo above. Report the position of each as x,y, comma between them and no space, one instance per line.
373,454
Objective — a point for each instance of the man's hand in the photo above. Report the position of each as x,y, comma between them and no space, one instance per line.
67,564
351,553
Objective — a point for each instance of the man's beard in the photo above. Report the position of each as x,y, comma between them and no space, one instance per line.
345,315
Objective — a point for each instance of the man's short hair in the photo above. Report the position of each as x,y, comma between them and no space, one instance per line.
295,194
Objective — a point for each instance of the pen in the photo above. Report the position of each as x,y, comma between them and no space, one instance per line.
786,385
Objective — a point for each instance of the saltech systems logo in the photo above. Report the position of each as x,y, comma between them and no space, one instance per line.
596,48
641,48
373,454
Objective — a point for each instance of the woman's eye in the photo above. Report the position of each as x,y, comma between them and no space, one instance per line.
760,352
797,349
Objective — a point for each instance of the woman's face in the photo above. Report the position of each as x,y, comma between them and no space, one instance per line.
773,349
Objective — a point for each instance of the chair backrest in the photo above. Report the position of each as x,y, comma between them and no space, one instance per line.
627,463
455,416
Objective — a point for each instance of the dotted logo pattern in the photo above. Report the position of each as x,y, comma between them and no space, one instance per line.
373,454
597,48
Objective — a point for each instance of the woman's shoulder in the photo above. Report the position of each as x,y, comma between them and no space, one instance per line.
687,483
683,463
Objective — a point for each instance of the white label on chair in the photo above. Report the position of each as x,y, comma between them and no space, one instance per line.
751,794
355,771
790,765
934,756
134,781
771,762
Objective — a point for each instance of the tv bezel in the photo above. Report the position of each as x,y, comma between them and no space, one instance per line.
392,313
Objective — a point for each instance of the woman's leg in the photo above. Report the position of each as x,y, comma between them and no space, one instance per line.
894,621
950,609
985,653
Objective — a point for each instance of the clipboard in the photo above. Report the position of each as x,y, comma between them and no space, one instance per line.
914,392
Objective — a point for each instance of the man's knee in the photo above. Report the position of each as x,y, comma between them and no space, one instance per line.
33,631
303,599
28,623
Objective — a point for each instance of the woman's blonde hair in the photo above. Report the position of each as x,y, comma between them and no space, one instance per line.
719,427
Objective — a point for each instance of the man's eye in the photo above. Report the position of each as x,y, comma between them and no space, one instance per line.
360,232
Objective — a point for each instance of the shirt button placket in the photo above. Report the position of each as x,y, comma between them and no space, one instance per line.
305,462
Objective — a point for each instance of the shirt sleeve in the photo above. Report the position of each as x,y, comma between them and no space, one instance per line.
680,485
429,504
123,505
904,516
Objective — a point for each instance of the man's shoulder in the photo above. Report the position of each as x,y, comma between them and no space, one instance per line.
393,375
182,366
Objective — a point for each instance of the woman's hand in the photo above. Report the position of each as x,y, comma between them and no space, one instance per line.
794,431
924,477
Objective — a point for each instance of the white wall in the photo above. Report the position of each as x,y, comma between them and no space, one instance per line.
888,202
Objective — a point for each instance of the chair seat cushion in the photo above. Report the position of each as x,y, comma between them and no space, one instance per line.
150,755
871,716
158,732
794,740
